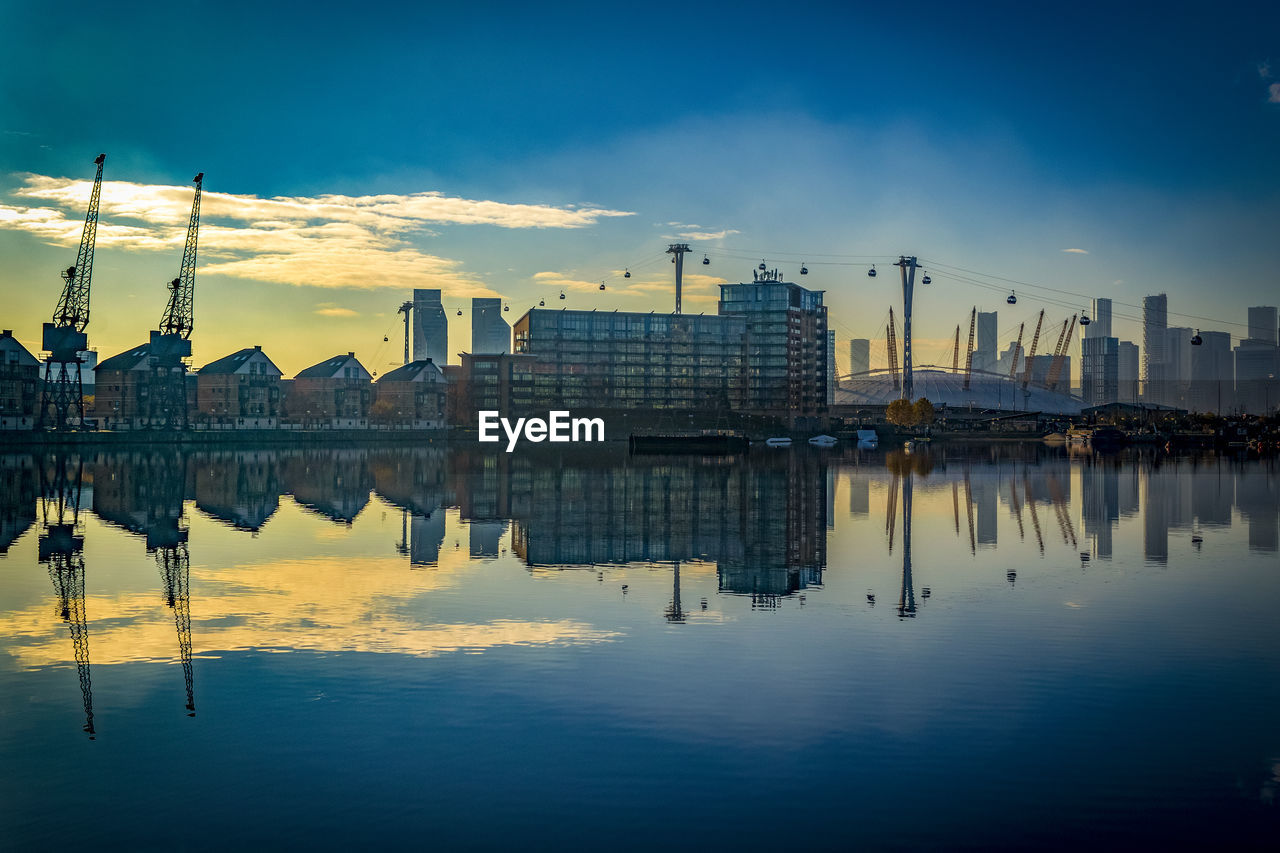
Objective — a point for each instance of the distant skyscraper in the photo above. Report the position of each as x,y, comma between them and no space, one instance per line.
984,351
1101,325
1127,362
832,384
1100,370
1212,388
490,334
859,355
1257,376
1262,324
1177,360
1155,324
430,327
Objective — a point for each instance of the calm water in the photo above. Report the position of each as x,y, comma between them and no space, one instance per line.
992,647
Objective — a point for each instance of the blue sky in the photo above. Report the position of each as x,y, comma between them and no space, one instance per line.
983,136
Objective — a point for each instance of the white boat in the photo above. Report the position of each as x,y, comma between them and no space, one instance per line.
778,442
868,439
824,441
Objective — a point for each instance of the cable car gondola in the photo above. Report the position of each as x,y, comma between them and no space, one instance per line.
804,270
926,279
872,272
542,303
385,339
627,274
562,294
459,312
1084,318
506,307
602,285
705,260
762,267
1196,340
1012,300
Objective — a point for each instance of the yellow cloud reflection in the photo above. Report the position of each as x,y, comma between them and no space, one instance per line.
321,604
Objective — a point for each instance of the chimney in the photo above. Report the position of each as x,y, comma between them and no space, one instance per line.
258,347
351,355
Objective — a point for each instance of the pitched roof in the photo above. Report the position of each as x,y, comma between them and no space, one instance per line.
127,360
424,370
330,366
8,343
232,363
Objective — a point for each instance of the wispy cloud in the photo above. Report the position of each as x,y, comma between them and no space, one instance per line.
328,309
1264,70
708,235
1273,96
1076,251
322,241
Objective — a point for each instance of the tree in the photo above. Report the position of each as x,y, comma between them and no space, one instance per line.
901,413
923,411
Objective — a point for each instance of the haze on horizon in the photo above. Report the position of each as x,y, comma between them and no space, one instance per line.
354,154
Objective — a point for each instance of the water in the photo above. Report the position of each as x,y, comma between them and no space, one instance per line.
578,649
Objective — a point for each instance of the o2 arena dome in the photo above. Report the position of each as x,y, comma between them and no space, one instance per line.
944,388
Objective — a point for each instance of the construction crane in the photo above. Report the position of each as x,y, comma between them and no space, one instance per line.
1060,357
405,308
171,344
1013,368
1031,354
64,339
61,548
891,343
968,358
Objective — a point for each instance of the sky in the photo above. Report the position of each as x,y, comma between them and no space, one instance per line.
354,152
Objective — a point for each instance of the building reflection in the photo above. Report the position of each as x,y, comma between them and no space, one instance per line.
333,483
17,498
145,492
239,488
416,482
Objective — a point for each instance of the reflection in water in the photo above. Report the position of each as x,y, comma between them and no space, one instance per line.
618,616
62,550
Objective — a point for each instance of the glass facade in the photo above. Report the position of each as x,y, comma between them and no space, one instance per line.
594,359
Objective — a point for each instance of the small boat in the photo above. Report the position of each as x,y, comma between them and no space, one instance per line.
867,439
823,441
778,442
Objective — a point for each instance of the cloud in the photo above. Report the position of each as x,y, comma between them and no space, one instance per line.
328,309
708,235
363,242
1264,70
1076,251
1273,96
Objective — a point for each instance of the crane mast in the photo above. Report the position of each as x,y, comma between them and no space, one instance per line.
1055,371
172,342
955,352
968,358
891,344
64,339
1013,368
1031,354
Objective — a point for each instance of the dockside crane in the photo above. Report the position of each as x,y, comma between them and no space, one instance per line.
62,396
174,563
171,344
61,548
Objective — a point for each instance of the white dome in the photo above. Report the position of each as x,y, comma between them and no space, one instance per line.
944,388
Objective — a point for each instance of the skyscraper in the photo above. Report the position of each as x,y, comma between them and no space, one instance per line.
1127,362
1262,324
490,334
1101,325
859,355
1100,370
430,327
984,352
1177,360
1212,388
1155,324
